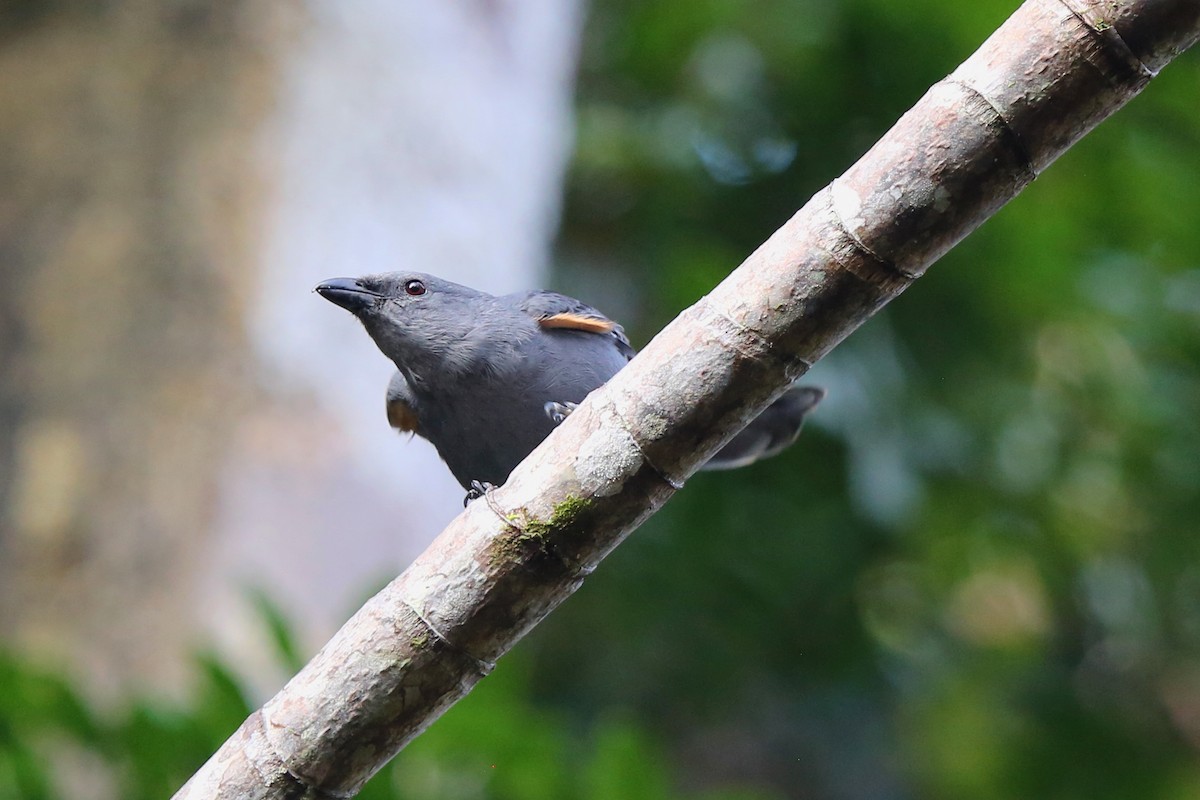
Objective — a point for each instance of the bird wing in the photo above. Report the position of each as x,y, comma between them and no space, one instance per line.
402,406
552,310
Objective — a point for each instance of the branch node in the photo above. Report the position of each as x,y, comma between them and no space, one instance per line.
868,265
310,788
1102,29
794,366
485,667
606,402
1015,141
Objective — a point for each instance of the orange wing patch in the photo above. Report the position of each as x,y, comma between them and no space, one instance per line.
577,322
402,417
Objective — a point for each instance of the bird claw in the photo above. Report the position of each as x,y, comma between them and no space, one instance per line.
478,489
557,412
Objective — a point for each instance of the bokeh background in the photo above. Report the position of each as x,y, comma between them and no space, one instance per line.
978,574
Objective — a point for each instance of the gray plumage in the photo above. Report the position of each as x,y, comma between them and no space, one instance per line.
477,375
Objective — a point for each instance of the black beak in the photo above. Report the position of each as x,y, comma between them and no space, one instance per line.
347,293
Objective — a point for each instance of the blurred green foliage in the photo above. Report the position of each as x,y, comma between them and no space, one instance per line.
55,744
978,574
52,741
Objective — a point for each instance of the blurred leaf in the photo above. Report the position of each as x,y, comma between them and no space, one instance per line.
282,635
625,765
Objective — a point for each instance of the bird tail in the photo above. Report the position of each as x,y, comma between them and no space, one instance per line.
770,432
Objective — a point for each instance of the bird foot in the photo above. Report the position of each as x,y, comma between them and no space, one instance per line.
477,490
557,412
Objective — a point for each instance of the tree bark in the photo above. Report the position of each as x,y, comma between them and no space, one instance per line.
1053,71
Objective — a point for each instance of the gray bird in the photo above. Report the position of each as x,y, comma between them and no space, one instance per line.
486,378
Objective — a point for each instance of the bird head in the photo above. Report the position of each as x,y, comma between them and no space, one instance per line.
424,324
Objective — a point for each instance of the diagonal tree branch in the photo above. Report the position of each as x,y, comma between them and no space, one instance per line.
1051,73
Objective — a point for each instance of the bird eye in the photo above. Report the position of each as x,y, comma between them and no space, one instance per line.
414,288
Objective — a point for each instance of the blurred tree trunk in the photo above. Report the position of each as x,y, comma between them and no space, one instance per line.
127,238
179,416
